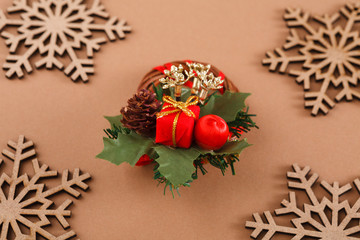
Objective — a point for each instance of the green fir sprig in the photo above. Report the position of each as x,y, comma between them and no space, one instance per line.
113,132
222,162
158,90
242,123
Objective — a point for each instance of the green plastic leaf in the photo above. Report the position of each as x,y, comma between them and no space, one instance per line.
185,93
115,121
235,147
126,148
176,165
226,106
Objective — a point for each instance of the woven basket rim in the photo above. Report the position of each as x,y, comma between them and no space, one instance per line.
154,75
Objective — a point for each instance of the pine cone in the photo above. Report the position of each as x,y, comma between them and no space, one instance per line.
140,114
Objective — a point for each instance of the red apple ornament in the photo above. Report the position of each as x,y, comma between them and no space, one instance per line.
211,132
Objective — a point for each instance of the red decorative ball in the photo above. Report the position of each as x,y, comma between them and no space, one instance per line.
211,132
144,160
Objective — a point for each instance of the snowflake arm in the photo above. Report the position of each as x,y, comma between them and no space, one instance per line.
113,26
15,63
326,226
19,155
10,22
272,228
54,28
352,212
348,91
297,18
281,60
16,207
352,13
328,54
319,100
98,9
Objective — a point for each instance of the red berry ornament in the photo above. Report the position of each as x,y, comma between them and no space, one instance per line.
211,132
144,160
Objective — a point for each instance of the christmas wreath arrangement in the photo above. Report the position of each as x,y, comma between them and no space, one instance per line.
186,115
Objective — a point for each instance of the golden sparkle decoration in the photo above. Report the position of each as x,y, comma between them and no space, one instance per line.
209,82
200,71
175,77
203,81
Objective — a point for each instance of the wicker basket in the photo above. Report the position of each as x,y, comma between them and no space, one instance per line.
154,75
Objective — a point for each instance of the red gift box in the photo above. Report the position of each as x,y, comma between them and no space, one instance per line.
175,122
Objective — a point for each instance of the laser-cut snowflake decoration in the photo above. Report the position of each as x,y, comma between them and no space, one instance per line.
28,196
304,224
56,28
329,54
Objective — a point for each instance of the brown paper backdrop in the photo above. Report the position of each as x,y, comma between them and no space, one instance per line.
65,120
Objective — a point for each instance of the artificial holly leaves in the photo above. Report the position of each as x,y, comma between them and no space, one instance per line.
176,165
126,148
226,106
114,121
185,94
235,147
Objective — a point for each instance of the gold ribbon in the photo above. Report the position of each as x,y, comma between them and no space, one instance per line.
179,108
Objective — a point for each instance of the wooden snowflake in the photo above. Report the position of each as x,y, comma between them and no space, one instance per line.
56,28
328,53
27,197
315,220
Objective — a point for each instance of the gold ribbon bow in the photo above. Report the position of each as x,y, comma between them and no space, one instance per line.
179,108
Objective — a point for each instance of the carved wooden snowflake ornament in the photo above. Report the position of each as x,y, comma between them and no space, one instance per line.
27,196
55,28
328,53
318,219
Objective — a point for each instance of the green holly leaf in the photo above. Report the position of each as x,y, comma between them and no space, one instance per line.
176,165
115,121
126,148
185,93
226,106
234,147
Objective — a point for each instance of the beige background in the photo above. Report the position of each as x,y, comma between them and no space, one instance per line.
65,120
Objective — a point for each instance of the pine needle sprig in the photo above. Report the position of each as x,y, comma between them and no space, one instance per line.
113,132
162,180
158,91
222,162
242,123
